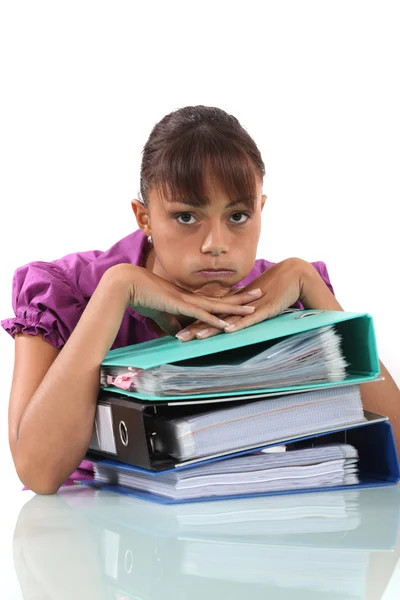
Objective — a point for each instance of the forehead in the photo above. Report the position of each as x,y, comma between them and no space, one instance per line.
212,193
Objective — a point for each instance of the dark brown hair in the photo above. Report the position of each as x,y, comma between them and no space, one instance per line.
195,140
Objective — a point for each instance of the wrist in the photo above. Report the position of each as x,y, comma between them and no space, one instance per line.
100,322
314,293
120,279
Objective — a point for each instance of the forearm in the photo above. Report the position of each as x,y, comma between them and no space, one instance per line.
56,427
382,397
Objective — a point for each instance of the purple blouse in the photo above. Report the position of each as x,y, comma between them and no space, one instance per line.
48,298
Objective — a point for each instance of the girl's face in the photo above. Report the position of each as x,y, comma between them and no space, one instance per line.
207,248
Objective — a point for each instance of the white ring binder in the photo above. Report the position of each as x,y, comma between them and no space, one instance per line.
123,433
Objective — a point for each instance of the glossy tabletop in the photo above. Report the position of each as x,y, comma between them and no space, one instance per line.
87,544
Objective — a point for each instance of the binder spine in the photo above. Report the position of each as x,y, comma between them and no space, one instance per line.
103,436
119,432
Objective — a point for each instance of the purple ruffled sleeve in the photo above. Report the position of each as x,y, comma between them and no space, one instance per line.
45,302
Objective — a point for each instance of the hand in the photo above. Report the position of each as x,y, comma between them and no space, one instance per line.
168,305
282,285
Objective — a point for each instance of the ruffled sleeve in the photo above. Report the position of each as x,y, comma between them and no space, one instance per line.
45,302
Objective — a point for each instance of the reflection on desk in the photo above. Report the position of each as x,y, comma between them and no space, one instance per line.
83,543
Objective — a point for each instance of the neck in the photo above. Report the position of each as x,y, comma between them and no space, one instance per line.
149,259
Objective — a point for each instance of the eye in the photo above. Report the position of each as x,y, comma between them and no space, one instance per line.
185,218
237,217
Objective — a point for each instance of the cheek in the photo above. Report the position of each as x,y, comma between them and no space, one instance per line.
248,238
245,245
165,237
173,253
175,241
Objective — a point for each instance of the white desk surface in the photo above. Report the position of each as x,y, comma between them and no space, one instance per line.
84,544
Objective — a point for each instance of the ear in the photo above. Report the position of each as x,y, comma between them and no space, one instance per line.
142,216
263,199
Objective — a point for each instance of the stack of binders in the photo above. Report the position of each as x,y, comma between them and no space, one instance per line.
271,409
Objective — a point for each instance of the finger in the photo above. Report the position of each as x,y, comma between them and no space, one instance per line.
168,323
240,297
189,333
236,290
196,312
261,314
216,306
195,326
232,290
206,332
201,330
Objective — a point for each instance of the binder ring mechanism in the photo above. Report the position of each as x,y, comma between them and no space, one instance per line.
301,315
123,433
128,561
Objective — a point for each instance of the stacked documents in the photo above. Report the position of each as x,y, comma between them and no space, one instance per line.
314,467
305,358
183,423
256,423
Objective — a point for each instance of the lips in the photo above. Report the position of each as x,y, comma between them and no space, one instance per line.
217,273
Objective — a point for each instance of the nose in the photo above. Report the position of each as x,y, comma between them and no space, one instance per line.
214,241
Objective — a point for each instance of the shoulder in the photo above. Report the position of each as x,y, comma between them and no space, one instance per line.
261,265
48,298
87,273
82,271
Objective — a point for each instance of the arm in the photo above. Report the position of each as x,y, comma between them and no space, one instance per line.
284,284
381,397
54,393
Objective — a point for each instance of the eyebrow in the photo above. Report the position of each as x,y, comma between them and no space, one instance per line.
195,204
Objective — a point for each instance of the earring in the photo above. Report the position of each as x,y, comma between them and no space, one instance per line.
150,240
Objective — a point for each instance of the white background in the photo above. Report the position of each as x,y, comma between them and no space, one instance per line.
315,83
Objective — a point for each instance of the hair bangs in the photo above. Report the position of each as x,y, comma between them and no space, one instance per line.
199,163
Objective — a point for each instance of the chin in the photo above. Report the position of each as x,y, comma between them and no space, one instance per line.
216,289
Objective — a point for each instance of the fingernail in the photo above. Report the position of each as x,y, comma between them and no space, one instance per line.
183,335
255,292
230,327
223,324
202,333
250,309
